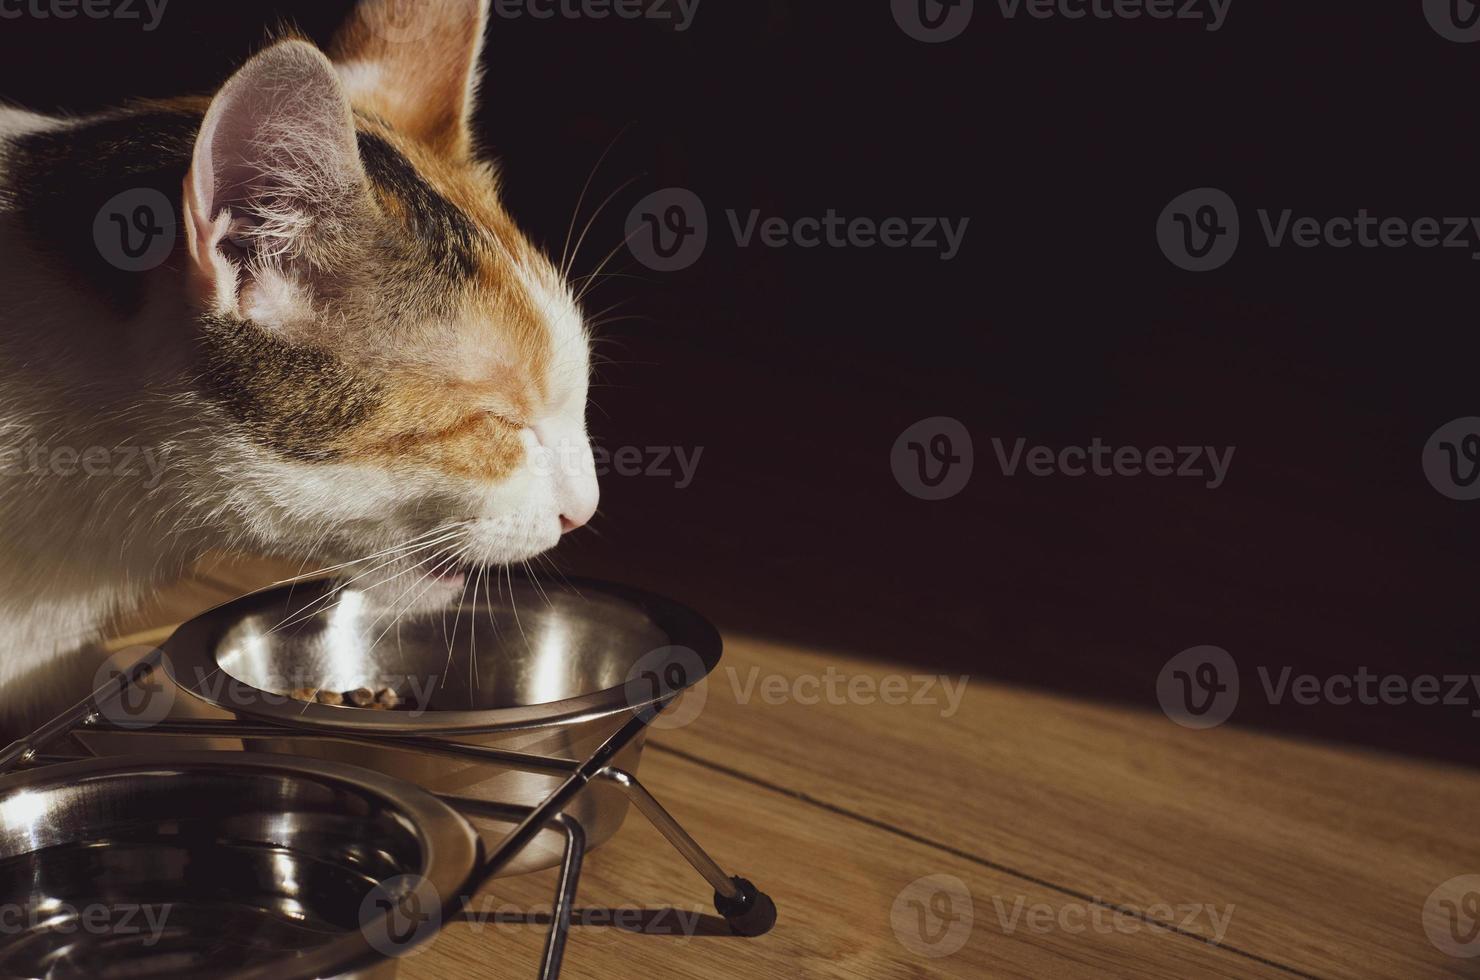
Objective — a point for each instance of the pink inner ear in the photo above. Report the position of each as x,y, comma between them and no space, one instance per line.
209,269
200,191
278,137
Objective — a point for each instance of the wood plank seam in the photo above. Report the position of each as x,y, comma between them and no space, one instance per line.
1138,914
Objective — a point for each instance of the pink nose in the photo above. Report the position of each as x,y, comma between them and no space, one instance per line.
580,499
576,490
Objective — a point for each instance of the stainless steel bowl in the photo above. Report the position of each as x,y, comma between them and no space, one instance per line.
546,670
235,865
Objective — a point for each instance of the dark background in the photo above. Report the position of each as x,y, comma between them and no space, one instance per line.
1060,320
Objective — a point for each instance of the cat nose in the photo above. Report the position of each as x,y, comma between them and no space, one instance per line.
579,498
576,490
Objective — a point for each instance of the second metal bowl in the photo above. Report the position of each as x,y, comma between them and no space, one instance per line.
233,865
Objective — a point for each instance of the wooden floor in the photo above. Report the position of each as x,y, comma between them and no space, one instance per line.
1023,835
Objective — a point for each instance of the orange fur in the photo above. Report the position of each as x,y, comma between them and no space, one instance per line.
426,59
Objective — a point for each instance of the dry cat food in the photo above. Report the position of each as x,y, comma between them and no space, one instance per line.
384,699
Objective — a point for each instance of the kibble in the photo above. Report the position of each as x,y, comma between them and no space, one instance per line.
384,699
361,697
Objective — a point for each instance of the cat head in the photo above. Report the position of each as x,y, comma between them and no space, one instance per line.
396,361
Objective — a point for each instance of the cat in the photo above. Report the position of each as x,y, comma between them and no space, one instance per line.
347,352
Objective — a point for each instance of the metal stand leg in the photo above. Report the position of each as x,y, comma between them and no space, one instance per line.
570,870
565,895
748,910
24,751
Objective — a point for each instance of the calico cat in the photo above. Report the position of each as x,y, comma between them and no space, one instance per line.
348,349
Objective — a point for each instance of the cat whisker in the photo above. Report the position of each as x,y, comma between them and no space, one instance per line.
322,602
529,570
452,640
400,547
514,607
594,215
565,257
554,566
591,280
449,562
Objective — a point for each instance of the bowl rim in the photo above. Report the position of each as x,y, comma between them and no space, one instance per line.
191,652
454,852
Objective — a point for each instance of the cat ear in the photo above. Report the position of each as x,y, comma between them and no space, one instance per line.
415,63
276,163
